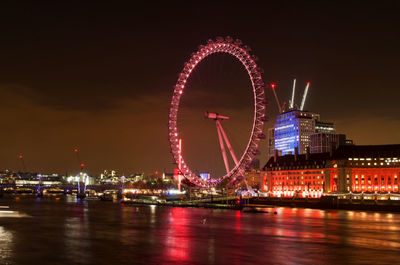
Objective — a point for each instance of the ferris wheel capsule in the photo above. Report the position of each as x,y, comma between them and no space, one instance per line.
238,42
219,39
262,136
246,48
228,39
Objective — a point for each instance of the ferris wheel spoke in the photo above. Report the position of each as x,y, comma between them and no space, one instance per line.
228,144
221,143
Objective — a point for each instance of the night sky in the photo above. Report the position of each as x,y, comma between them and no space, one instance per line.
100,77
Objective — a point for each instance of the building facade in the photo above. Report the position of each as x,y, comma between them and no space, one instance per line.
293,129
323,142
253,177
270,143
324,127
349,169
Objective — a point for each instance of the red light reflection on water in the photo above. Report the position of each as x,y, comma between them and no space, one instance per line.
238,224
177,239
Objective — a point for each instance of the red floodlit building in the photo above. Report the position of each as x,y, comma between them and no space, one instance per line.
349,169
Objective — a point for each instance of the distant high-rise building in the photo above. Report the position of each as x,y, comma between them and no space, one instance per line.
295,129
292,129
324,127
270,143
326,142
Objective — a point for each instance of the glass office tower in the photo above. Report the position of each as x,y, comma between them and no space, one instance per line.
292,129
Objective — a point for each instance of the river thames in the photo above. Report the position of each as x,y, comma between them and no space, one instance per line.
66,231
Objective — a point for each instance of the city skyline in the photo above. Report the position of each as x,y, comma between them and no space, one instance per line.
100,78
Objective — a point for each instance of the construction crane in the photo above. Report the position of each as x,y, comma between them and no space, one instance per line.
304,96
280,108
21,158
283,106
291,106
81,165
291,102
81,194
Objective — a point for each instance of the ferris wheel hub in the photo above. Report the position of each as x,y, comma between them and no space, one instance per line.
215,116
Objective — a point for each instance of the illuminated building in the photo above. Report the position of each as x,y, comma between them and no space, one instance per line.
252,174
324,127
304,130
350,168
295,175
136,177
109,177
205,176
253,177
292,129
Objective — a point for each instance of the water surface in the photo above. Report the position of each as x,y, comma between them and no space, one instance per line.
67,231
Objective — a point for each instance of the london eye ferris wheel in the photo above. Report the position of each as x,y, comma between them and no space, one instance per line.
241,52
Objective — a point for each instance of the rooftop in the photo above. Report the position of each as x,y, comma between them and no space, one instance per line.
343,152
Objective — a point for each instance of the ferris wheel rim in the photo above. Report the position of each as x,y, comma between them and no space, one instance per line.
242,53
